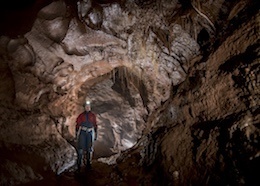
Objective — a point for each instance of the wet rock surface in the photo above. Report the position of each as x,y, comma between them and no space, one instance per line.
174,84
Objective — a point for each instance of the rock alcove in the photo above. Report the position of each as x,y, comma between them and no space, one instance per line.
174,84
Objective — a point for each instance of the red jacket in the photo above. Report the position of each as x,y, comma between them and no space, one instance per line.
82,118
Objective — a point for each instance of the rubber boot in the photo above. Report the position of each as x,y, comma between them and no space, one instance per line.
78,169
89,160
79,160
85,158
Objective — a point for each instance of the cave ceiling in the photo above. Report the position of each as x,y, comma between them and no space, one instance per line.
112,52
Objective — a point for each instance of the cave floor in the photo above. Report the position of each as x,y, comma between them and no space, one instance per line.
100,174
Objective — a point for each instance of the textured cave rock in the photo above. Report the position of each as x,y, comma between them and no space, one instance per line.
175,81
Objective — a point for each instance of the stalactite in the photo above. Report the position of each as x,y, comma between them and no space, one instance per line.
113,72
155,70
203,15
121,78
126,78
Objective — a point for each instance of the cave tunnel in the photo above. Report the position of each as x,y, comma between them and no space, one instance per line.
174,86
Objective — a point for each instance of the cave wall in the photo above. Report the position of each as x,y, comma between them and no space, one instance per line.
208,133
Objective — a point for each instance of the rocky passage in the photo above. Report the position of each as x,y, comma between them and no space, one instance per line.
174,84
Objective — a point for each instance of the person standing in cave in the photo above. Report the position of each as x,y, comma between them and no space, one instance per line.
86,134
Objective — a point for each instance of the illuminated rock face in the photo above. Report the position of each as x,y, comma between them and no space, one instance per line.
159,71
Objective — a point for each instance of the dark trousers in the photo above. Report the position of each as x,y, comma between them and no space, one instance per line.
85,147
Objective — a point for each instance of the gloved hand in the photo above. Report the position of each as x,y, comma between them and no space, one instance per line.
95,138
76,136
